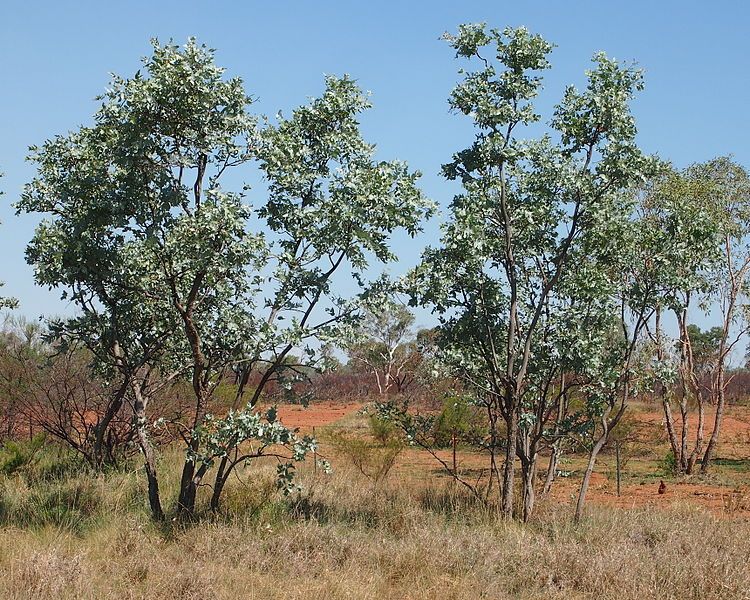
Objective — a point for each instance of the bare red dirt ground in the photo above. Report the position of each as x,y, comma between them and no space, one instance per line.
724,500
315,415
735,428
720,500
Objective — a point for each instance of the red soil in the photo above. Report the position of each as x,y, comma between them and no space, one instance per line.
414,464
315,415
720,500
735,426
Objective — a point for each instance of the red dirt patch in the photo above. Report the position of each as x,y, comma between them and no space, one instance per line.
720,500
316,415
735,426
417,466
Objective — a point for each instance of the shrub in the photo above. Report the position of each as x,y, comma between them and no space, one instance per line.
382,430
69,505
668,464
16,456
374,460
458,418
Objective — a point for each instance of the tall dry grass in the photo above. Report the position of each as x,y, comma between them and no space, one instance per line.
83,536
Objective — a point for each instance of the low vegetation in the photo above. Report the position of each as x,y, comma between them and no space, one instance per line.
90,536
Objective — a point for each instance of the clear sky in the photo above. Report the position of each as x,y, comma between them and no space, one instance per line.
57,56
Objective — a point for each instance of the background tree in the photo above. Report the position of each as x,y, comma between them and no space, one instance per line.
386,347
705,345
699,217
44,388
730,207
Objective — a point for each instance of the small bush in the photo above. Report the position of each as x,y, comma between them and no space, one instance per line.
382,430
70,505
458,418
668,464
16,456
373,460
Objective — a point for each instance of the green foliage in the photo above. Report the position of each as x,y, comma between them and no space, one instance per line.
705,345
37,461
71,504
668,464
217,437
458,418
42,485
382,430
530,283
67,505
384,345
17,456
538,281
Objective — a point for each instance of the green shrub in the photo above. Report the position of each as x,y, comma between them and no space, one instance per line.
458,418
668,464
56,464
17,456
69,505
382,430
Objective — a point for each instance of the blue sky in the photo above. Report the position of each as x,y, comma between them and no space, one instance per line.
57,56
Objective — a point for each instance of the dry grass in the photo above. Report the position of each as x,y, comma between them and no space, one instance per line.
343,539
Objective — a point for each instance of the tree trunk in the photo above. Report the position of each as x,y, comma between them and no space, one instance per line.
669,423
154,500
714,440
677,453
454,442
690,385
190,479
551,468
509,466
587,476
219,481
528,470
685,418
188,489
494,475
562,409
101,428
698,448
607,427
221,473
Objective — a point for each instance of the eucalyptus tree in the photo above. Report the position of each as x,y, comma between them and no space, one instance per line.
700,218
729,204
384,346
687,240
172,271
498,280
616,368
674,208
142,238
